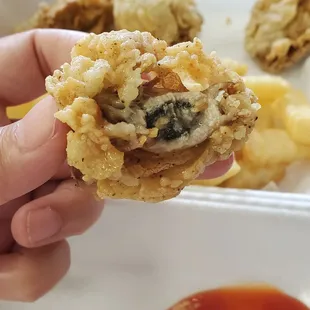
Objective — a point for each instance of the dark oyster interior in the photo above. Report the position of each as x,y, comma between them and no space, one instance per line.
183,119
172,118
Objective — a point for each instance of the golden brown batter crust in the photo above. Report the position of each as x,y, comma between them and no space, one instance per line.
146,118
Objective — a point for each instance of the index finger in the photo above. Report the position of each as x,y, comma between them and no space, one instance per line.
27,58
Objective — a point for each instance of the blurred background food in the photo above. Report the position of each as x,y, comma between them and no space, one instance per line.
171,20
18,112
278,32
84,15
280,138
277,37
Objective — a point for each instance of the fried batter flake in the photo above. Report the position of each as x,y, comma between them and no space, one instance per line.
145,118
84,15
170,20
278,33
118,59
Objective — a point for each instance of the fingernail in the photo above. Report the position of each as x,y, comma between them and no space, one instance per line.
38,126
43,224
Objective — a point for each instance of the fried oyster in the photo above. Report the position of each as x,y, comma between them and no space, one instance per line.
145,118
278,34
83,15
170,20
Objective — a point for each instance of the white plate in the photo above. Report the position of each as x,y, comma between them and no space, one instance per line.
147,257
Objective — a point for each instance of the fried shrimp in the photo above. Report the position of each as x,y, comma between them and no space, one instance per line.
145,118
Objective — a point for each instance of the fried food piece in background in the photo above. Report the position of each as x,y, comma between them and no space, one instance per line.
83,15
267,88
146,118
281,135
303,151
297,123
269,147
263,159
170,20
278,33
254,177
292,113
274,144
240,68
280,138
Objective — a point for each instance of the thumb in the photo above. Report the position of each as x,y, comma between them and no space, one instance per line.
31,151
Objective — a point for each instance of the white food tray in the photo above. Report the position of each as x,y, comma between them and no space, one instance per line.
146,257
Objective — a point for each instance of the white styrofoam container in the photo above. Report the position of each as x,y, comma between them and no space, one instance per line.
146,257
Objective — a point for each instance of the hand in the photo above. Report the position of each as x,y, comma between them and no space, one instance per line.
40,206
217,169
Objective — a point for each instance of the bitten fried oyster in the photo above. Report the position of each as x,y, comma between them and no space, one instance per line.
146,118
83,15
170,20
278,33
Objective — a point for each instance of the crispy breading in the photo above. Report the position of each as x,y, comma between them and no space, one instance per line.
278,33
145,118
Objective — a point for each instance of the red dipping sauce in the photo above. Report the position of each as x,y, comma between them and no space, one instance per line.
240,298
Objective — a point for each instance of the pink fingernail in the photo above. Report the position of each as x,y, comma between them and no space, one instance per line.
43,224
